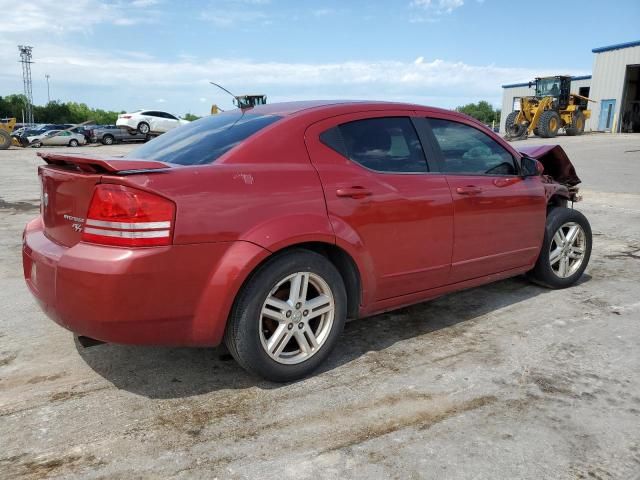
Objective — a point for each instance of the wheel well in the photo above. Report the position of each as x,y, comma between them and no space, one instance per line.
556,201
340,259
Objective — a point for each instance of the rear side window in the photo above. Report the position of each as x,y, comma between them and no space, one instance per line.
468,150
387,144
204,140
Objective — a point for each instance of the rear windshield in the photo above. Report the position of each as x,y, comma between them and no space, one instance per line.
204,140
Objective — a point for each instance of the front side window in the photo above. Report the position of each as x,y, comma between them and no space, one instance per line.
386,144
204,140
468,150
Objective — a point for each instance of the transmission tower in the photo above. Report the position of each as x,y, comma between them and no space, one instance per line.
25,60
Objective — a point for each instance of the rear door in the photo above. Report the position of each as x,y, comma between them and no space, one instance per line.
62,138
170,121
384,201
499,216
154,120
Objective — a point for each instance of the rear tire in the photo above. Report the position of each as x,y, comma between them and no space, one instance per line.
36,145
73,142
566,249
548,124
577,124
274,332
5,140
143,128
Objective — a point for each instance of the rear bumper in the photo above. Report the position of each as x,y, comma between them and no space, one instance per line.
175,295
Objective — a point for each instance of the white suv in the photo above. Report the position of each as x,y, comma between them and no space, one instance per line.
149,121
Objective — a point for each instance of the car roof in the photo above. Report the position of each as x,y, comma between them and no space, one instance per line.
340,106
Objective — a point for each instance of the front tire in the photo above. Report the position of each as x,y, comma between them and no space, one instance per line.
108,140
5,140
287,318
548,124
511,120
566,249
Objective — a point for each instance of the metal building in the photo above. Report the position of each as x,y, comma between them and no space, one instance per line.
614,85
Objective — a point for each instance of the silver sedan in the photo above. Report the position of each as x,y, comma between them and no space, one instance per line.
57,138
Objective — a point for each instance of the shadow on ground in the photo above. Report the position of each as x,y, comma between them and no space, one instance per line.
157,372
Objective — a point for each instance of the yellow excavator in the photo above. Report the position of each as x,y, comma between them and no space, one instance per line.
240,101
6,127
551,108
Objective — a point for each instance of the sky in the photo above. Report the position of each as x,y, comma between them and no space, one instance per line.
161,54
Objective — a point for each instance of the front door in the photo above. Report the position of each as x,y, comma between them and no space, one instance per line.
607,110
383,201
499,216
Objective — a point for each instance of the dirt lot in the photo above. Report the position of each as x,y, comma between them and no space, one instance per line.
504,381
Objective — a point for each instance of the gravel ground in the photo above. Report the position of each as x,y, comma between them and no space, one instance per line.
500,382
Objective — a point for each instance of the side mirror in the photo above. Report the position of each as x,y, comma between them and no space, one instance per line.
531,167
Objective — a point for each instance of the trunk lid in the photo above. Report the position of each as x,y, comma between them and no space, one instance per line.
67,183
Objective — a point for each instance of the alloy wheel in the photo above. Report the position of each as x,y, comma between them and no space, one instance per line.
567,249
296,318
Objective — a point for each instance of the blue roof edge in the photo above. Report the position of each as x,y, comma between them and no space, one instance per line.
526,84
617,46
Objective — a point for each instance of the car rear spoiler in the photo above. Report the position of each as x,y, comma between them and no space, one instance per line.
555,161
91,164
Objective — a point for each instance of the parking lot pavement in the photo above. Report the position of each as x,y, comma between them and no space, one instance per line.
504,381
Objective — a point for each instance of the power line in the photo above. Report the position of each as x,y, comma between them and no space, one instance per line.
25,60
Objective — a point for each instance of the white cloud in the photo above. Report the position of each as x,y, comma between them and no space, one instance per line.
136,81
222,18
144,3
432,10
52,16
323,12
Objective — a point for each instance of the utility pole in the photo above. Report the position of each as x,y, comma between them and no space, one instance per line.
25,60
46,75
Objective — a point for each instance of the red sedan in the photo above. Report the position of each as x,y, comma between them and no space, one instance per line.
267,228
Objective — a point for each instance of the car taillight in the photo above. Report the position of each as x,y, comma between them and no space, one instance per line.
124,216
124,116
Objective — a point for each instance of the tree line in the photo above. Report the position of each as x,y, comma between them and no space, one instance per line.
61,112
56,111
482,111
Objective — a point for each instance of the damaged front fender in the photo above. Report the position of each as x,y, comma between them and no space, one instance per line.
559,174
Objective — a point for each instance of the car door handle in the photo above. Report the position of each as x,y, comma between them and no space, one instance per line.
353,192
469,190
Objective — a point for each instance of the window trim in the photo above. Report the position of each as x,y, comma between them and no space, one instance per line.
426,152
439,156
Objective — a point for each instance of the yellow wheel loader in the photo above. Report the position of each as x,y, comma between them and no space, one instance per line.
6,127
553,107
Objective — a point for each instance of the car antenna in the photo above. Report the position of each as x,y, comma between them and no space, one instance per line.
244,101
224,89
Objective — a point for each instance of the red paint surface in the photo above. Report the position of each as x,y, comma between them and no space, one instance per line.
411,236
